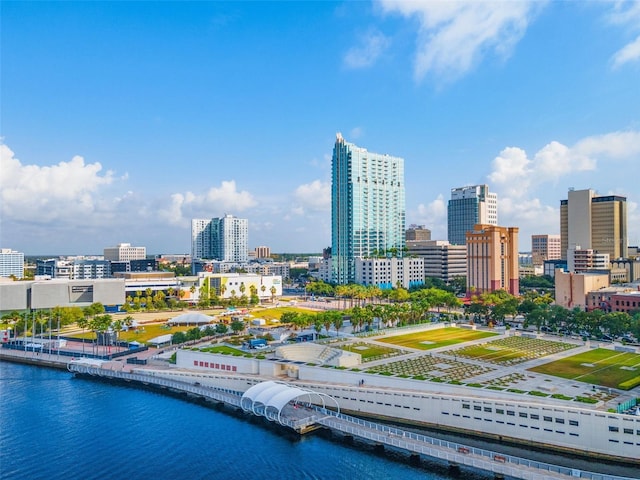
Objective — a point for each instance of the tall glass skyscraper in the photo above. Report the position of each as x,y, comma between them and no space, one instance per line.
469,206
367,207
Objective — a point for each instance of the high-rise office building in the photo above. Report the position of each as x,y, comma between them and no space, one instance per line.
545,247
492,259
367,207
225,239
11,263
591,222
467,207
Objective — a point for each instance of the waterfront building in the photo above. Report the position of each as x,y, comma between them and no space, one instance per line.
594,222
47,294
11,263
224,239
469,206
124,252
550,423
388,273
441,259
545,247
367,207
492,259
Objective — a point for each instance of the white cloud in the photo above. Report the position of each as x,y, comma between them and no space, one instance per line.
372,45
214,202
515,172
455,35
47,194
626,13
521,182
629,53
315,196
511,168
433,215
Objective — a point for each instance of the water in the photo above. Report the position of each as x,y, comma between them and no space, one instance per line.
54,426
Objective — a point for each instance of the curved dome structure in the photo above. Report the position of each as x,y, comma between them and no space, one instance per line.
270,398
190,318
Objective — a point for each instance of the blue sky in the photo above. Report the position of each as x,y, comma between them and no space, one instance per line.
122,121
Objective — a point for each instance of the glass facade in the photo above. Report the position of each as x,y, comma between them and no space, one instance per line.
367,208
467,207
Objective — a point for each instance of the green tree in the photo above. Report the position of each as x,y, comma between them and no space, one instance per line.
237,326
221,328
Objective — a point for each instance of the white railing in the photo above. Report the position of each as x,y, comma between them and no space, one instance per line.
454,452
402,439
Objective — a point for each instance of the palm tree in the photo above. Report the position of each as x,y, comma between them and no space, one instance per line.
273,292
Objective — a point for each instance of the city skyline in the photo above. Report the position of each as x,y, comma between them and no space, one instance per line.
123,121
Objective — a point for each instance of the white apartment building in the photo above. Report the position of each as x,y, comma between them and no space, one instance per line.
11,263
388,273
124,252
225,239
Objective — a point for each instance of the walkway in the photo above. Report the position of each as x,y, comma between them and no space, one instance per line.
303,419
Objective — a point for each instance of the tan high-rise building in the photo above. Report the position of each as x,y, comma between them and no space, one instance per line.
545,247
591,222
417,233
492,259
263,252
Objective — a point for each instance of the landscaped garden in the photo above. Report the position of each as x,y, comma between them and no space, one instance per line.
511,350
428,367
609,368
371,352
440,337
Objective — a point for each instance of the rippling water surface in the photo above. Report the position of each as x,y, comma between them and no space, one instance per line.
54,426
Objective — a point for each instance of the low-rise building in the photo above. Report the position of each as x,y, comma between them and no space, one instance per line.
388,273
47,294
228,285
571,289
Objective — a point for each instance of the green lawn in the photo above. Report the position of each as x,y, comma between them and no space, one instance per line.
511,350
143,334
599,367
488,354
222,349
441,337
370,351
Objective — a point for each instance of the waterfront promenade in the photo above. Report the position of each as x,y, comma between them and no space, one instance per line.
456,455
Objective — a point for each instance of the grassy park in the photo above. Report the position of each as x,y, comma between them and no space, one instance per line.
442,337
370,352
600,366
511,350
